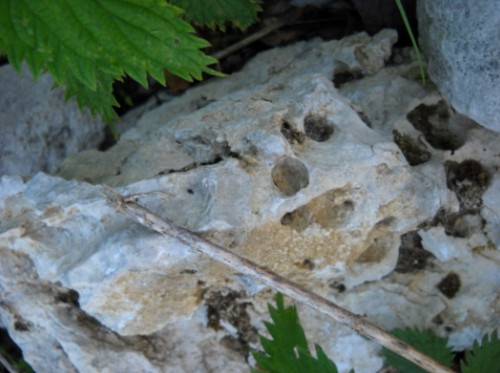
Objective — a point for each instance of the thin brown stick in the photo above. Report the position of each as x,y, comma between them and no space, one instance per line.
271,279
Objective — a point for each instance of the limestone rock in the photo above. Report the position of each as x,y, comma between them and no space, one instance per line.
38,128
300,162
461,46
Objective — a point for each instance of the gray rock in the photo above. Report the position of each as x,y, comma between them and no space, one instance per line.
38,127
309,177
460,41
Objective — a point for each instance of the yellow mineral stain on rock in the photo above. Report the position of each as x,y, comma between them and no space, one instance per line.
152,299
282,249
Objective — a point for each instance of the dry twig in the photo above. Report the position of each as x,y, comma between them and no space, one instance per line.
8,366
271,279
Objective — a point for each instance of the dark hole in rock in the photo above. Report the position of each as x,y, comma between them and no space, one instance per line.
412,255
309,264
414,152
470,169
290,175
338,286
70,297
291,134
469,180
298,219
236,343
22,326
342,77
449,285
317,128
461,224
188,271
433,122
226,306
438,320
306,264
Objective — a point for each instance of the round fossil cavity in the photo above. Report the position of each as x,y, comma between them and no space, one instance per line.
318,128
290,175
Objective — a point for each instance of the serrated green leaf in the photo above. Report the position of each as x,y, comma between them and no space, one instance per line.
287,351
324,365
92,99
424,341
88,44
215,13
484,357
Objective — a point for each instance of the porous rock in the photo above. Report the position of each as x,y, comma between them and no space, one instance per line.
38,127
460,42
292,163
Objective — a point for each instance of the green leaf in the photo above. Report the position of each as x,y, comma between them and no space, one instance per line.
484,357
93,100
88,44
426,342
215,13
412,38
287,351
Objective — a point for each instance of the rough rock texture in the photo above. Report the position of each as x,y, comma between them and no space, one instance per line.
463,55
38,127
325,161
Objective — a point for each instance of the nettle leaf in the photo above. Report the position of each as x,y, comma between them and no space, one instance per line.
484,357
88,44
215,13
287,351
93,99
423,340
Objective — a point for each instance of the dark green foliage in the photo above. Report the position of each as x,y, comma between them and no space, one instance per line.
86,45
287,351
423,340
216,13
484,357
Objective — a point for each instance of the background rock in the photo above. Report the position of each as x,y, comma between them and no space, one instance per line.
375,15
325,161
462,50
38,127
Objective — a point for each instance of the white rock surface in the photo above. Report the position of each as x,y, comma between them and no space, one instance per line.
463,55
38,127
278,164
